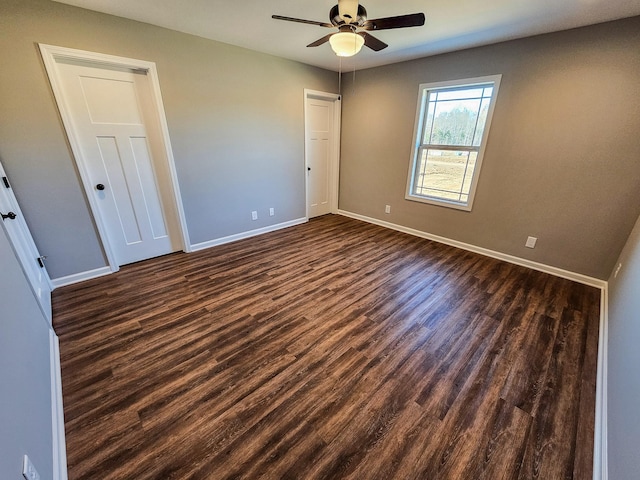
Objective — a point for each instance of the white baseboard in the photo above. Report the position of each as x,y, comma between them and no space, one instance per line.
57,411
99,272
600,458
80,277
250,233
558,272
600,445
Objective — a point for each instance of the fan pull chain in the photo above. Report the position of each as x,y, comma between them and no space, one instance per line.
353,83
340,78
355,60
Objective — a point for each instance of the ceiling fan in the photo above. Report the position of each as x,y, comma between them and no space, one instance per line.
351,20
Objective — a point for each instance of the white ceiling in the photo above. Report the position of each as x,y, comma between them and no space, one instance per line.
451,24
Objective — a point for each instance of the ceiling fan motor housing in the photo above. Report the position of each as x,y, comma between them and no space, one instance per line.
348,10
337,19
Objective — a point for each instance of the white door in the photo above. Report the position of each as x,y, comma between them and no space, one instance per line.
25,248
321,147
117,133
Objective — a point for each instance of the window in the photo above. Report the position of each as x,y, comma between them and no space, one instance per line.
452,126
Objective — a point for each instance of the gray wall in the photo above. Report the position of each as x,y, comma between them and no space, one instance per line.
235,119
624,361
561,162
25,386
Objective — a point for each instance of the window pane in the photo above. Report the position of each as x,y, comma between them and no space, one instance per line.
460,93
482,120
445,174
454,122
428,126
468,176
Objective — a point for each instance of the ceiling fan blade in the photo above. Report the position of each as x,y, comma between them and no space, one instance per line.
300,20
401,21
372,42
321,41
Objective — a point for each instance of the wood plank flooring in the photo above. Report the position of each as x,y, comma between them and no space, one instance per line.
330,350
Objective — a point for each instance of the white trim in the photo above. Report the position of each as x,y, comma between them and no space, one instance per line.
99,272
26,250
168,151
334,176
558,272
251,233
600,444
81,277
417,139
600,455
57,411
49,55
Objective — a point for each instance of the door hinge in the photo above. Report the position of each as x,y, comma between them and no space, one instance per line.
5,180
41,261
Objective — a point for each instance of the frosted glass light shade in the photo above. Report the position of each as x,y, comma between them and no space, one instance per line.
346,44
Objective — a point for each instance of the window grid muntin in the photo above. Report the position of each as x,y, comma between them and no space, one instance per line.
436,92
421,173
430,99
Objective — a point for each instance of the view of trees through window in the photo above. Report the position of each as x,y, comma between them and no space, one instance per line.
452,127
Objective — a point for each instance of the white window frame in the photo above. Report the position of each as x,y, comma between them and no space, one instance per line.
423,94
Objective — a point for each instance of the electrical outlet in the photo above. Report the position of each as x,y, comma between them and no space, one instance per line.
272,212
387,209
254,215
531,242
28,470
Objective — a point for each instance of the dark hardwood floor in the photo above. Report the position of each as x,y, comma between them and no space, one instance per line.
334,349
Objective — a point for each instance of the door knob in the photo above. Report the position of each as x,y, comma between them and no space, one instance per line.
10,215
100,187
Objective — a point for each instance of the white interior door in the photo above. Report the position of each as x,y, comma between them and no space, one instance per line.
25,248
321,149
116,131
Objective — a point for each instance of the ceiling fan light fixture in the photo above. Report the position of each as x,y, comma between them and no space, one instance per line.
346,44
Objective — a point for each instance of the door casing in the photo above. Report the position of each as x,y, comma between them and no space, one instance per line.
25,248
50,55
334,176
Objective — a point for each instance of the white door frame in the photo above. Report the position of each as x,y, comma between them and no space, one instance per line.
50,54
25,248
334,168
